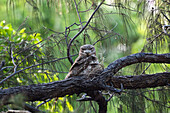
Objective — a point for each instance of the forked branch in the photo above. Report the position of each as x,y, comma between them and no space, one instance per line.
80,84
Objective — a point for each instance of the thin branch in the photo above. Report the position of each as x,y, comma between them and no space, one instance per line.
165,31
146,68
156,101
2,64
6,67
43,103
15,66
119,5
165,16
66,35
30,54
71,41
34,45
93,107
20,27
78,13
90,8
53,30
32,67
32,109
110,97
101,39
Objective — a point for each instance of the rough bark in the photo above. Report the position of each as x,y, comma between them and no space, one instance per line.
138,58
80,84
142,81
100,99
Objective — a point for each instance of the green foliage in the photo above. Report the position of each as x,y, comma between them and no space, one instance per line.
21,51
117,29
15,50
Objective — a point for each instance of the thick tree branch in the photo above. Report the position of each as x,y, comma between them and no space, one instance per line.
141,81
80,84
115,66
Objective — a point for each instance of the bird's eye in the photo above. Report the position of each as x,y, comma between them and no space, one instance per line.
82,49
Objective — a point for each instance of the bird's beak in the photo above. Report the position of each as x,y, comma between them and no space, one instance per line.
87,52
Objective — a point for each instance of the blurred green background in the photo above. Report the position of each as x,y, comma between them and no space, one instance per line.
119,29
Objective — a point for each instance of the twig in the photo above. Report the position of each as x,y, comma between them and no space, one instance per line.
90,8
119,5
156,101
32,109
146,69
31,67
165,31
47,76
6,67
43,103
30,54
165,16
29,47
20,27
78,13
93,107
151,41
110,97
2,64
53,30
15,66
71,41
52,35
140,93
105,38
76,24
66,34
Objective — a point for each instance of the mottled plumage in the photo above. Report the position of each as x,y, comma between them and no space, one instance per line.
86,63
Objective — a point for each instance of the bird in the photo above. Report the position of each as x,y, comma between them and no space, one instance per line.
86,63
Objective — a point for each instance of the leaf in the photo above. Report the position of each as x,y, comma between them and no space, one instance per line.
2,23
18,79
30,37
22,30
70,107
17,39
